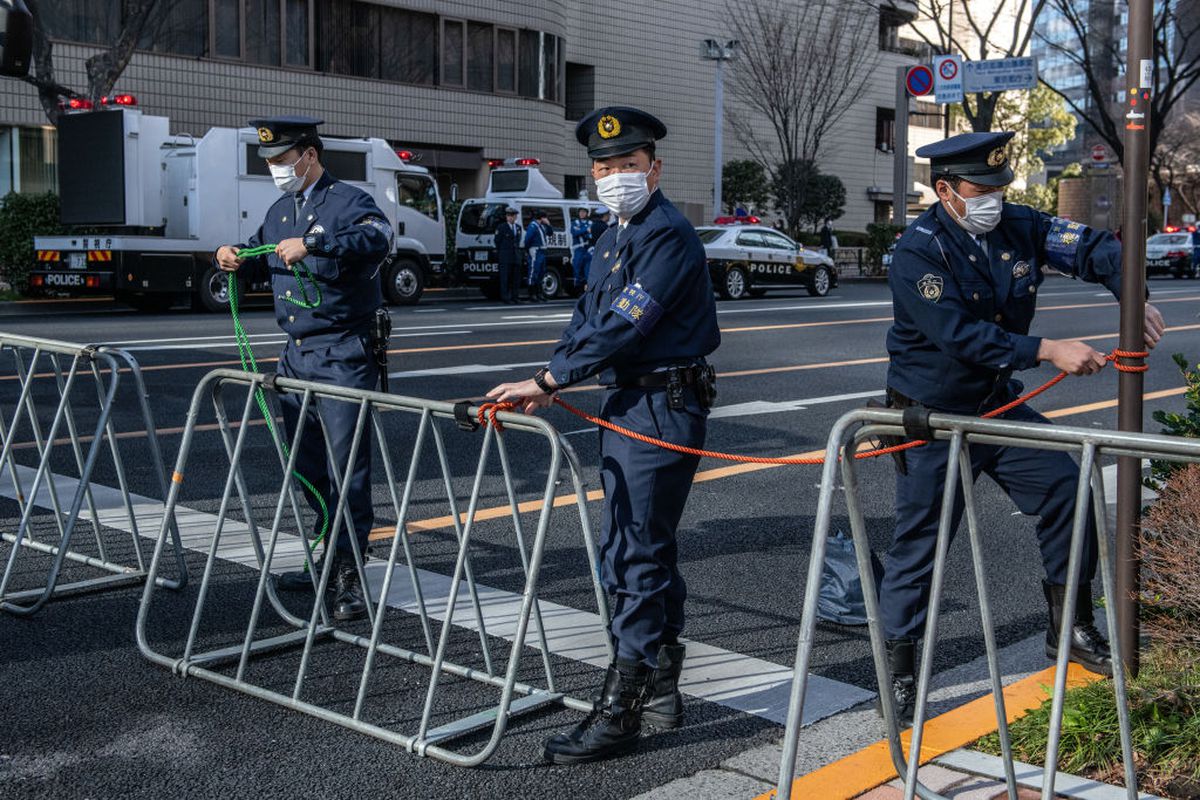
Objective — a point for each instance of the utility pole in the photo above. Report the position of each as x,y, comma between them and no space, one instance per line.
900,181
714,50
1139,88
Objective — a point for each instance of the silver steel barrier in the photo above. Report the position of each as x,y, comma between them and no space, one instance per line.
224,653
849,434
51,379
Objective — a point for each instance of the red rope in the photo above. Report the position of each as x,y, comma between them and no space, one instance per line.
488,411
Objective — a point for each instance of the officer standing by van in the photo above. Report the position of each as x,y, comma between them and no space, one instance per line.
964,283
535,246
342,237
581,247
644,326
508,254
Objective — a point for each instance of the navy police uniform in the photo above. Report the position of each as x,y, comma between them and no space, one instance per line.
644,325
508,255
347,237
535,245
581,249
963,305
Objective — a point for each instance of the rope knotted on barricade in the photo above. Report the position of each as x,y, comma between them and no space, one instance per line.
488,411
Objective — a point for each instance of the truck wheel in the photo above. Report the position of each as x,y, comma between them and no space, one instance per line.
820,282
734,286
213,291
403,281
551,282
147,303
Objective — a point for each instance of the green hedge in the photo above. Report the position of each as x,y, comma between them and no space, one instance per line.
22,217
880,236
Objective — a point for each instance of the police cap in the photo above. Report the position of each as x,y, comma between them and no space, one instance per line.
980,158
511,210
277,135
617,130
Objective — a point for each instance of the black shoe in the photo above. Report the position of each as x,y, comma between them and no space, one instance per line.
664,709
901,656
1089,648
348,601
615,725
301,580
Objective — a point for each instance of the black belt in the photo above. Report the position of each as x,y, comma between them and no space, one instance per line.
688,376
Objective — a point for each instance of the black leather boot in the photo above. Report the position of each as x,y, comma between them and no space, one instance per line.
348,601
299,580
664,709
615,725
1089,648
901,656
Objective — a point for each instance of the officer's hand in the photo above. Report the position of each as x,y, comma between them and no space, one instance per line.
1154,326
527,395
291,251
1074,358
227,258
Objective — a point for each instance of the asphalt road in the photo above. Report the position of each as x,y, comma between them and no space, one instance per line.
85,715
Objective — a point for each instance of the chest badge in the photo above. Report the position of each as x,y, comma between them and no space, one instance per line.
1020,269
930,286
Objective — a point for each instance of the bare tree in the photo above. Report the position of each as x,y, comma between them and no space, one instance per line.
140,21
1175,164
799,69
1098,55
1003,29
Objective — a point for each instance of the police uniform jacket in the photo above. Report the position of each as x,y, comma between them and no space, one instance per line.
962,316
534,235
581,233
598,227
352,240
507,242
648,302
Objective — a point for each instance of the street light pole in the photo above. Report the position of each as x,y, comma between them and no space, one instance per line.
714,50
1139,80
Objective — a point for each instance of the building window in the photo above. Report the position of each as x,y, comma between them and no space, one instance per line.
83,21
890,23
506,61
481,46
453,52
528,64
926,119
37,160
580,90
262,32
885,129
883,211
549,67
297,44
408,42
226,28
574,186
184,29
349,41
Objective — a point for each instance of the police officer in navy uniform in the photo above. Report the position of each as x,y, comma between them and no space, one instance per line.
644,325
342,237
581,247
508,254
964,283
535,246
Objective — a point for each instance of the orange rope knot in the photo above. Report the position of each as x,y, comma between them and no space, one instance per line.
488,411
1137,355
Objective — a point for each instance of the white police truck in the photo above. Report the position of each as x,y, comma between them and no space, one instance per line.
164,203
519,183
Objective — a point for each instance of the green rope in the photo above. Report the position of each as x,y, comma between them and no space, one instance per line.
246,355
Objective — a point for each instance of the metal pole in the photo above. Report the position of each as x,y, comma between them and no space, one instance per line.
900,156
1138,89
718,136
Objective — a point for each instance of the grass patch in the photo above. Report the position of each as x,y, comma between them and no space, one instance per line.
1165,714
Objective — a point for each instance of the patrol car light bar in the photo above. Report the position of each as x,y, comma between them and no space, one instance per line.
512,162
79,104
118,100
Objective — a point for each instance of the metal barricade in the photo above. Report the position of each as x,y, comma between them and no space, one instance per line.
76,387
226,645
845,440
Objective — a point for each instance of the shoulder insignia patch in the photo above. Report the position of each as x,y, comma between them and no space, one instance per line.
930,286
1062,242
637,306
925,231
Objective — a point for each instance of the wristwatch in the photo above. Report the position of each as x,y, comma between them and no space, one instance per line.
311,243
539,378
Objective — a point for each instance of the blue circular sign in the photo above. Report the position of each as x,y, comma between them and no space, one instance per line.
919,80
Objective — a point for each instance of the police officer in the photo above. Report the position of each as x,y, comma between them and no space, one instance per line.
581,247
342,237
508,254
535,246
644,325
964,283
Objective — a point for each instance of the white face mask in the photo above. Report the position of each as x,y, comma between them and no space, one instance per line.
982,213
286,179
626,193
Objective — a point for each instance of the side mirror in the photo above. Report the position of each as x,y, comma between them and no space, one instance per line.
16,38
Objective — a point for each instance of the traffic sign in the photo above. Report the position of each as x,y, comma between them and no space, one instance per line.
919,80
1000,74
1099,153
947,78
1167,196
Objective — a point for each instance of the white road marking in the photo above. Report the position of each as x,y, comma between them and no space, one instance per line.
734,680
428,333
429,311
816,305
756,407
464,369
221,337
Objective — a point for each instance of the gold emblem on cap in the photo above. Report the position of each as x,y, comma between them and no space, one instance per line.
997,157
265,135
608,127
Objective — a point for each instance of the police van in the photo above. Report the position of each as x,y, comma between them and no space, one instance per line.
165,203
519,183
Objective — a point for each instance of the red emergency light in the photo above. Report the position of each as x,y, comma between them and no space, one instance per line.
527,162
1170,229
80,104
36,280
405,155
495,162
118,100
92,281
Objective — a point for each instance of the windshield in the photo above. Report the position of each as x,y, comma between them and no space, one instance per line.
709,235
1169,239
480,218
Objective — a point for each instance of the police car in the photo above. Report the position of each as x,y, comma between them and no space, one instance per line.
750,259
517,182
1173,252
